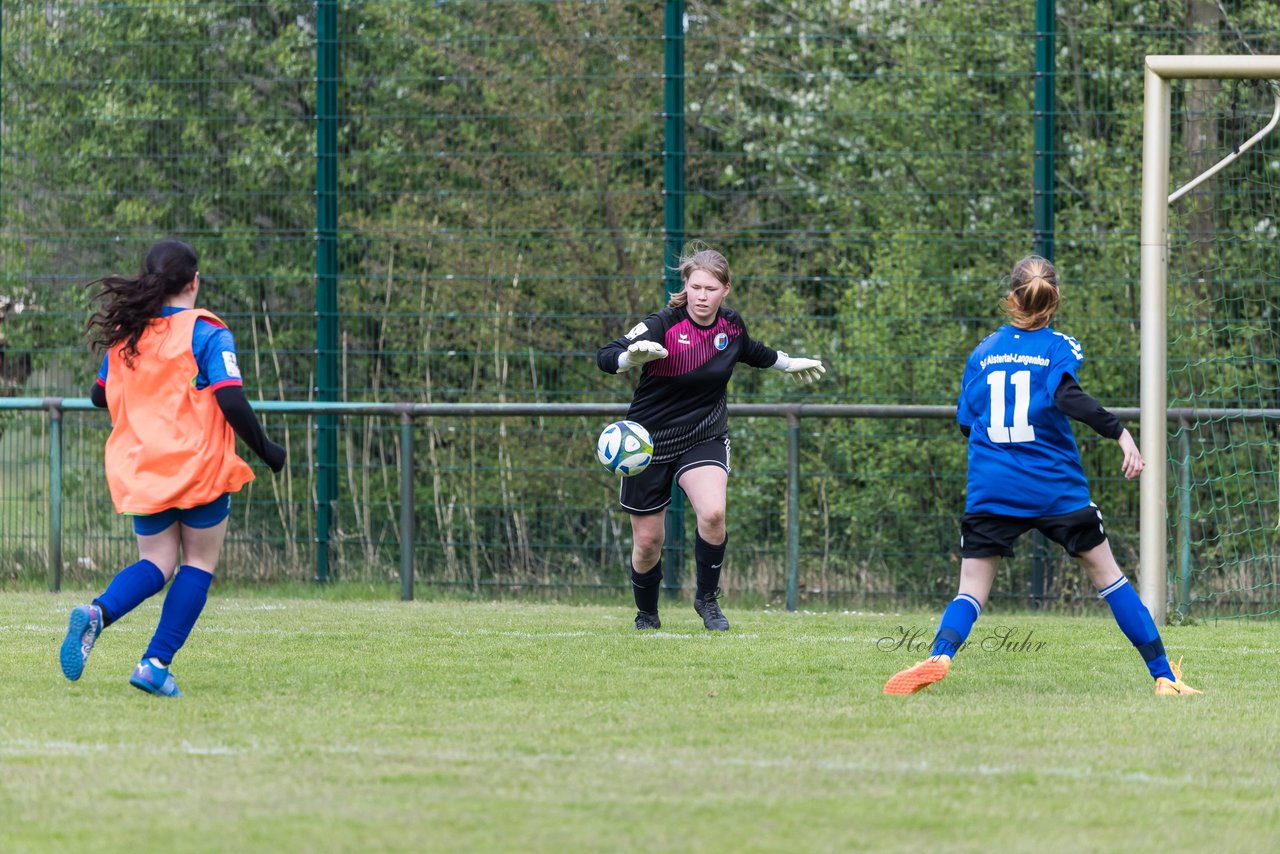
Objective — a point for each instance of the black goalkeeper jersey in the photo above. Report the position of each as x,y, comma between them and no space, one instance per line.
681,399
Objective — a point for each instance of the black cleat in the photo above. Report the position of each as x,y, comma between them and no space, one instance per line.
709,610
646,620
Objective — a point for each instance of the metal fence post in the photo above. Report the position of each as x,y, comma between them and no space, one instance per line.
1045,131
793,508
326,382
54,407
406,507
1184,518
1045,145
673,226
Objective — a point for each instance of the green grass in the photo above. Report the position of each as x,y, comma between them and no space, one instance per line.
313,725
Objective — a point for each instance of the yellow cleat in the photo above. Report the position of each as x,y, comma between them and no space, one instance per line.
918,676
1175,687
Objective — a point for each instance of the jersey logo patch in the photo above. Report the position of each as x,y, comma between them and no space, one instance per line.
229,362
721,341
684,338
636,331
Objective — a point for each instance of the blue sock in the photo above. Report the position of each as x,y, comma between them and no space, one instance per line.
955,625
1135,621
182,607
132,586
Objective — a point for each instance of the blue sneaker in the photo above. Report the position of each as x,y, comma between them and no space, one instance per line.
154,679
83,629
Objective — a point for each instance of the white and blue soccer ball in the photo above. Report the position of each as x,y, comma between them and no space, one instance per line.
625,448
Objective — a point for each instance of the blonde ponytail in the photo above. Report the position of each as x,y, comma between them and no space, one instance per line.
1032,300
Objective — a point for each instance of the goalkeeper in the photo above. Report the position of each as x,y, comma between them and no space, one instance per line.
686,354
1018,390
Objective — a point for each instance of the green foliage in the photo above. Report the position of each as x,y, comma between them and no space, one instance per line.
866,166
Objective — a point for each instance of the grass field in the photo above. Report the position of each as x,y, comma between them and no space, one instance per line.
320,725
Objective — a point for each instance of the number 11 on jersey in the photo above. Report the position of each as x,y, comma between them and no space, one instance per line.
1021,431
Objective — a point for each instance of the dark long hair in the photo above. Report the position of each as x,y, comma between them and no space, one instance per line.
126,304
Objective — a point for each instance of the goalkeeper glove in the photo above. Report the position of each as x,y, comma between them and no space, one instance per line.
801,370
641,353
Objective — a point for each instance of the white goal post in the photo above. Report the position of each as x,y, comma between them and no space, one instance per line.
1154,259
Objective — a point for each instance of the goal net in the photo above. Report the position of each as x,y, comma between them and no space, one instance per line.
1216,515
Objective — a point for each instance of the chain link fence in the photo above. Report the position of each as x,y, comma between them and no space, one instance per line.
866,166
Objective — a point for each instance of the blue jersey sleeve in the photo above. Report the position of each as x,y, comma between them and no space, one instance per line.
965,414
215,352
102,371
1064,360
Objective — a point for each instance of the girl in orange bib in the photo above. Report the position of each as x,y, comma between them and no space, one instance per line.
171,382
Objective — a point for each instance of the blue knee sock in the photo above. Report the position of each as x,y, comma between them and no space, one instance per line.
132,586
955,625
1135,621
182,607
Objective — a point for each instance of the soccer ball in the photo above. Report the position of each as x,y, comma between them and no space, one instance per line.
625,448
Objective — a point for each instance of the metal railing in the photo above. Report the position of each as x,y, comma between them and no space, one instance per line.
406,413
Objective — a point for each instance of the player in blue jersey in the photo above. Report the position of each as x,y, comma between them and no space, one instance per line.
687,353
1019,390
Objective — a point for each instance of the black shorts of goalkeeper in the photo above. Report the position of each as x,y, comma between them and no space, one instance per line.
650,491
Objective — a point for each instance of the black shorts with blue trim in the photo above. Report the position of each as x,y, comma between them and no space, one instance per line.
991,535
650,491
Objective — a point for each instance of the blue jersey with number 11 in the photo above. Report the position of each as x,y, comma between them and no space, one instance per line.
1023,459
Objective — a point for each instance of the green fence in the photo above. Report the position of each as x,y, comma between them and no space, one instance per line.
486,186
426,544
525,540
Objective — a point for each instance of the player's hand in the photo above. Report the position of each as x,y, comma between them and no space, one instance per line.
1133,463
641,353
275,456
805,371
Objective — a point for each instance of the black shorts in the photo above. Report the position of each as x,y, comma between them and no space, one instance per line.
650,491
988,535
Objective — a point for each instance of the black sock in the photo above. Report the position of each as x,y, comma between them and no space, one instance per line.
709,559
646,587
102,609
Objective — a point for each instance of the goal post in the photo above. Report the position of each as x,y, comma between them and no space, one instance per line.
1160,73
